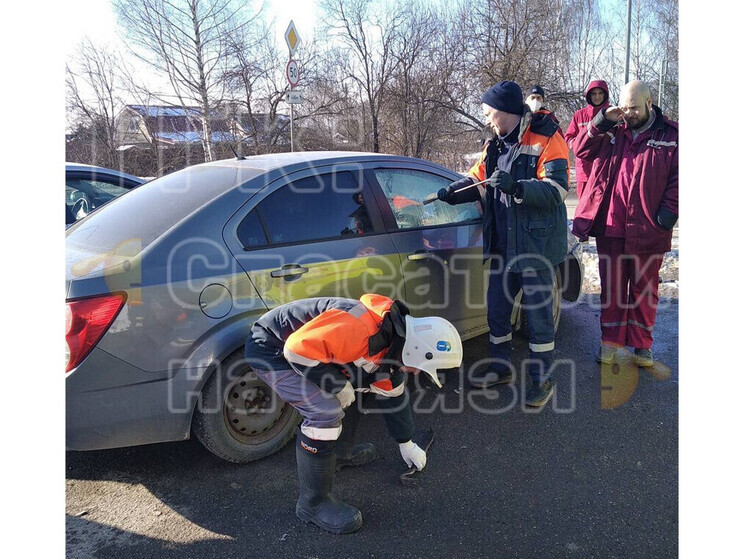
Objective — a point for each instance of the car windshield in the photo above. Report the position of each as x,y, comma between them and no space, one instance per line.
141,215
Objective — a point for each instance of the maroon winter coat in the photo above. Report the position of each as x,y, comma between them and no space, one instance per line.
579,122
653,206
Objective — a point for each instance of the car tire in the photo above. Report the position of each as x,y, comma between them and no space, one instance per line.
518,320
238,417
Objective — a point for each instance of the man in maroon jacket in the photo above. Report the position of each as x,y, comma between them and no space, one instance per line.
597,95
631,205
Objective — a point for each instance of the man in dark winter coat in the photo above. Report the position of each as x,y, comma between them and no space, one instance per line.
597,96
630,205
524,230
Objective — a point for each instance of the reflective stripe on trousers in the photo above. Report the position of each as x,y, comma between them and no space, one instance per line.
629,293
537,302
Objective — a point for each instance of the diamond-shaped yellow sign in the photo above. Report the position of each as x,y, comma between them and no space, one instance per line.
292,38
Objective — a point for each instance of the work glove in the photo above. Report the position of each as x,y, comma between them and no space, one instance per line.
604,123
665,218
346,396
503,182
446,194
413,455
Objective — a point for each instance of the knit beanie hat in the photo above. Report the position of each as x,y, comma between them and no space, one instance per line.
504,96
538,90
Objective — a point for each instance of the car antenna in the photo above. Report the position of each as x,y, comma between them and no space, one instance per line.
239,157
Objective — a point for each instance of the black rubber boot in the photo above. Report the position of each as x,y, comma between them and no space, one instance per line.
316,504
349,453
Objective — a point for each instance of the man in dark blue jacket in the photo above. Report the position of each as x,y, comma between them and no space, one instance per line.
524,230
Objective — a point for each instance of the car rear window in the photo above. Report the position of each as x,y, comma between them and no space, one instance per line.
144,213
312,208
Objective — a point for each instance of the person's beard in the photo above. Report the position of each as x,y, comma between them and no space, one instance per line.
643,121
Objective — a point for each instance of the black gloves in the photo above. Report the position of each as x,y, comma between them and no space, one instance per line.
503,182
446,194
665,218
602,123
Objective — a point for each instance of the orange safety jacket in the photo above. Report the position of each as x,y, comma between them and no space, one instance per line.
341,336
331,340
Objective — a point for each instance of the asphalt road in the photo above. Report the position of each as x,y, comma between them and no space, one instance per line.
597,476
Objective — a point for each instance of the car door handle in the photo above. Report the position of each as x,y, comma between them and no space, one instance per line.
420,255
289,271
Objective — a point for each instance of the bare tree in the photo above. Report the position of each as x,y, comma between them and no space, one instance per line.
255,82
458,85
94,79
366,38
664,34
404,77
409,86
188,41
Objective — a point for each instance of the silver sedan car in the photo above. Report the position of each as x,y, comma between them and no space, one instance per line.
165,281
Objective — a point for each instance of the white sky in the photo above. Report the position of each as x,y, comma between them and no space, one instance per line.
96,20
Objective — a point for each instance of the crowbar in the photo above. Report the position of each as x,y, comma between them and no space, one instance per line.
431,200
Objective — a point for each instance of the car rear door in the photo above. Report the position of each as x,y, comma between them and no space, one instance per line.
440,245
315,233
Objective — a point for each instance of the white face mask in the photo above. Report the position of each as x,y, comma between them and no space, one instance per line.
534,104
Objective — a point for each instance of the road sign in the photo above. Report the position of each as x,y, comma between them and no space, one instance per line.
292,38
293,73
294,97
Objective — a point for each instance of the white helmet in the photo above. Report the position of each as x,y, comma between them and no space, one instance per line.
431,343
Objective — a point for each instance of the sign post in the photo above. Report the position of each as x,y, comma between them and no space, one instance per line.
292,72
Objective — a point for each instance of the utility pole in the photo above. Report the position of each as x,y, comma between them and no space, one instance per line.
629,33
662,81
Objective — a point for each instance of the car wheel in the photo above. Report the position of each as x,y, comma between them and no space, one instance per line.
238,417
518,319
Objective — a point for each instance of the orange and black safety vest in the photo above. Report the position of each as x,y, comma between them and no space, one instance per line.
326,335
536,228
331,340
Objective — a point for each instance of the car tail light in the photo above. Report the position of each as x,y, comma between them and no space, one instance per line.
86,321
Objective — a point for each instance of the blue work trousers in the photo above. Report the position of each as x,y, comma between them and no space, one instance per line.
536,300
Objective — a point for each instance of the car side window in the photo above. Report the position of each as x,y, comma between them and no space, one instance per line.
317,207
108,188
250,231
406,189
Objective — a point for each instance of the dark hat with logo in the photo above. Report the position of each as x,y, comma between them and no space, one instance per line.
504,96
538,90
